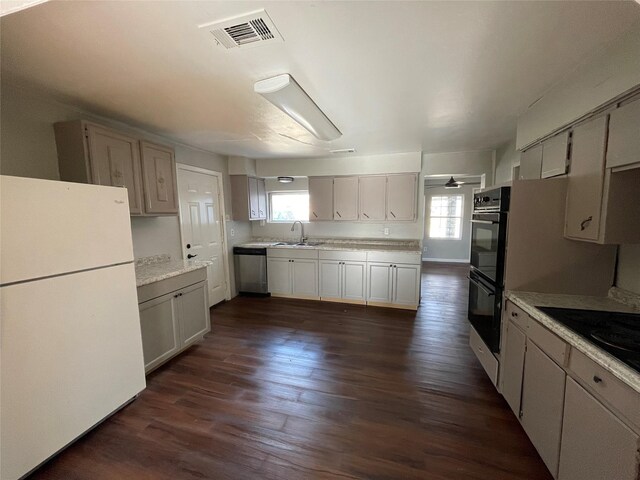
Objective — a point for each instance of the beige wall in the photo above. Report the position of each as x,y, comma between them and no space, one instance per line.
28,149
506,158
628,276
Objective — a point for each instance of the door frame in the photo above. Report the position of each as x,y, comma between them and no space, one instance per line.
223,218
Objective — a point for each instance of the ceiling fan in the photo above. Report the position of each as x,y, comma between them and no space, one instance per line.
452,183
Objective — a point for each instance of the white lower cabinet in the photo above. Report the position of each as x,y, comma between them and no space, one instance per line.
343,281
172,322
595,444
393,284
292,277
513,366
542,404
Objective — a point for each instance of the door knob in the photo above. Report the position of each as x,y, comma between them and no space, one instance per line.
191,255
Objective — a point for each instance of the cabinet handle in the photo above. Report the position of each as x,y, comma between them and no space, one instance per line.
339,214
391,266
394,215
314,214
514,314
260,212
585,223
191,255
253,212
597,379
365,215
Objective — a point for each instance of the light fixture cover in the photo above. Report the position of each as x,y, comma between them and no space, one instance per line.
285,179
285,93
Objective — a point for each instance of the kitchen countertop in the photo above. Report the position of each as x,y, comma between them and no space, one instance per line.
528,301
160,267
352,245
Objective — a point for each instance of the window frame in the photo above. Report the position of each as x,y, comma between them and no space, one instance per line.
285,192
461,217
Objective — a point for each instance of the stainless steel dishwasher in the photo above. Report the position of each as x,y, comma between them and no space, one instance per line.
251,270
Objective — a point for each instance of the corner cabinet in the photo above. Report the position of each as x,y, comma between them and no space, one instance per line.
248,198
176,317
624,135
90,153
602,204
159,179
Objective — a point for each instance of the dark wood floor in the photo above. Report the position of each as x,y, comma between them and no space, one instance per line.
292,389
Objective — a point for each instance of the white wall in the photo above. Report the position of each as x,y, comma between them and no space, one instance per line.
28,149
506,158
610,72
459,163
628,275
439,249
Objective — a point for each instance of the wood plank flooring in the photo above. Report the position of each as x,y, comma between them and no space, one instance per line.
293,389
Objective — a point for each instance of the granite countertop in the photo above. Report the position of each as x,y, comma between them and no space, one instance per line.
160,267
529,300
345,244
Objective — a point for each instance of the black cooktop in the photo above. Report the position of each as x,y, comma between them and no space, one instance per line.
615,332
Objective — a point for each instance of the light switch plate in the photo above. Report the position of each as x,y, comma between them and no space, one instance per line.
232,232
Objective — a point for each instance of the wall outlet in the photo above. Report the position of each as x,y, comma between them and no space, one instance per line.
232,232
386,230
424,250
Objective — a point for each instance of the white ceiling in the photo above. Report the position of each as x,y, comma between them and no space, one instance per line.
393,76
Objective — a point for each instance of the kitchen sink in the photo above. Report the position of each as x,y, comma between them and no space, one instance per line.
297,244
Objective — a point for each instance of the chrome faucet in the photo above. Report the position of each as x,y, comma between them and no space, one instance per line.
293,227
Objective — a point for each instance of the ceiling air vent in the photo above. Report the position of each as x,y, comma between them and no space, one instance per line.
252,29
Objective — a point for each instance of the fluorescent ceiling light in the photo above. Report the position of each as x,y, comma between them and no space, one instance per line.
343,150
285,93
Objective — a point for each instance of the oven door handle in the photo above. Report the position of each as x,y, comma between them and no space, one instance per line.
486,222
481,287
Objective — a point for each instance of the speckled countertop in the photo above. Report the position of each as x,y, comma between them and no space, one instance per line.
528,301
160,267
408,246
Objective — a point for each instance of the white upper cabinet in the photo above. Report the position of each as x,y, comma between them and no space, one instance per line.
554,155
402,196
531,163
373,196
248,198
320,198
624,135
345,198
159,179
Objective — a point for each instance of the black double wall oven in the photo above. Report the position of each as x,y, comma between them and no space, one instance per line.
486,276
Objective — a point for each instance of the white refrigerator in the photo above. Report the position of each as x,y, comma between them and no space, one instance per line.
70,344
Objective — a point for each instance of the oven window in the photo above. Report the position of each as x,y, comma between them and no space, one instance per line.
445,219
484,248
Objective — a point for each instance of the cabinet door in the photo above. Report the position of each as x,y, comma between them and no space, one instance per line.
320,198
554,155
586,180
624,135
513,366
194,313
160,329
595,444
345,198
262,199
406,284
531,163
279,276
542,404
330,278
379,282
373,196
115,161
304,277
254,203
159,179
354,284
401,197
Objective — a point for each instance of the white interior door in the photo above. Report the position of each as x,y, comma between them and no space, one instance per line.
201,225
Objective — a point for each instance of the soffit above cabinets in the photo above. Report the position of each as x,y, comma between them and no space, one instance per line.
444,76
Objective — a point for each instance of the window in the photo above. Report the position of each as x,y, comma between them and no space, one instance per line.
446,217
288,206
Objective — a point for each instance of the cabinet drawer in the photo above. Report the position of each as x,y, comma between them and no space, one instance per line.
487,360
343,255
292,253
517,315
157,289
548,342
410,258
606,386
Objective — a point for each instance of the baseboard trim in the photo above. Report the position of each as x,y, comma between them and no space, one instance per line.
446,260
